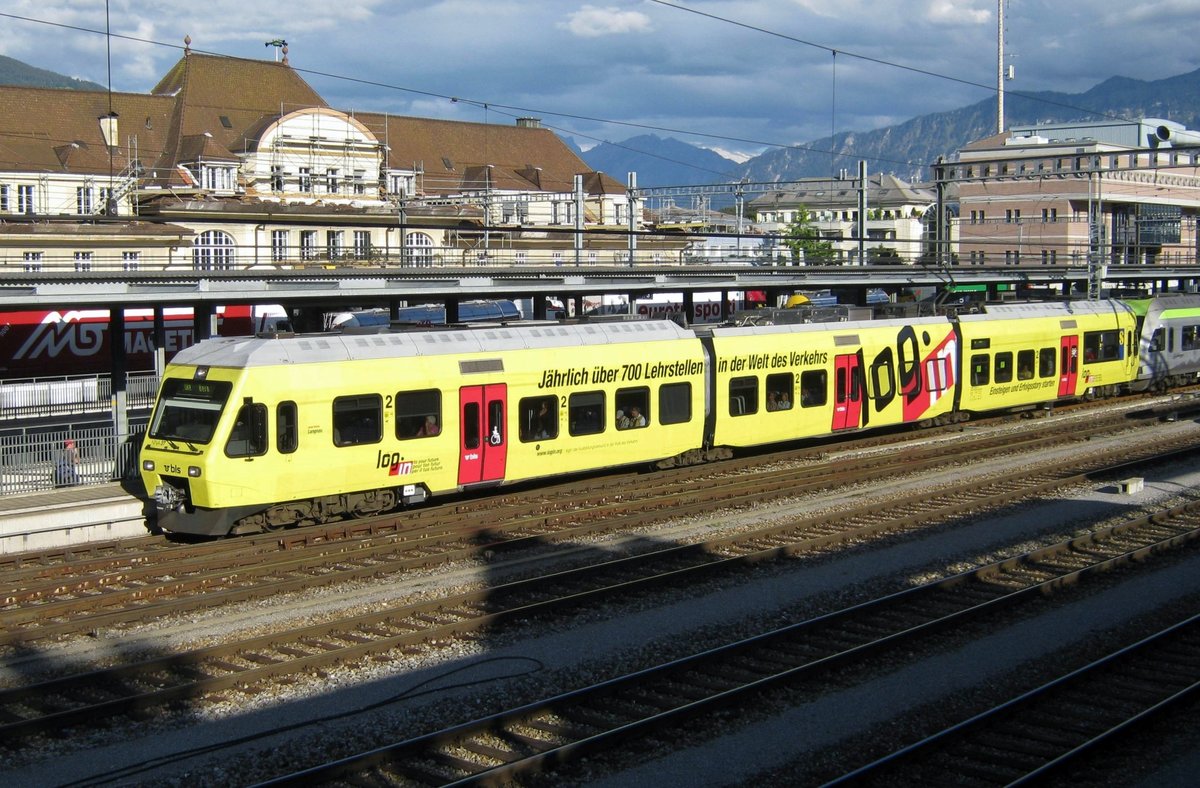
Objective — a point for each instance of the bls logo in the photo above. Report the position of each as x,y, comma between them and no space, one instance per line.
394,462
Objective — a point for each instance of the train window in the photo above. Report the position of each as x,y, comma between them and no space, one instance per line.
780,388
188,410
496,431
418,414
287,434
1070,360
1046,359
1101,345
470,425
980,367
1189,338
1156,341
675,403
357,420
1025,364
585,411
814,388
633,408
248,438
882,379
1004,367
538,419
743,396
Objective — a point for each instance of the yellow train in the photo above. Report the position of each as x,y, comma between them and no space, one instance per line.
257,433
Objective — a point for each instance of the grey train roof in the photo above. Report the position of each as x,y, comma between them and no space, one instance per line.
1059,309
239,352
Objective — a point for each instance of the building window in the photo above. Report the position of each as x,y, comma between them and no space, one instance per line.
83,261
220,179
304,179
214,251
308,244
400,185
33,261
25,199
418,249
362,244
83,200
358,182
279,245
332,185
277,178
130,260
334,245
4,197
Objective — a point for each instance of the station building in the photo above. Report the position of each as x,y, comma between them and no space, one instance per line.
234,163
1107,192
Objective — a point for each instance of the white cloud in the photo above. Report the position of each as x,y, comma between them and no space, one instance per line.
592,22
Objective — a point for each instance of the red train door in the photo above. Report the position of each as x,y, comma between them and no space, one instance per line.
483,438
848,393
1068,370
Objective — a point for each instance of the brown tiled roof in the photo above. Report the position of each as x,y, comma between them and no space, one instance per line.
49,130
213,106
453,154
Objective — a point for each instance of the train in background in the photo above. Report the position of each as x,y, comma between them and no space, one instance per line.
478,311
251,435
49,343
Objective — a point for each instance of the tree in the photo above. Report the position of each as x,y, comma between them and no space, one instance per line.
804,239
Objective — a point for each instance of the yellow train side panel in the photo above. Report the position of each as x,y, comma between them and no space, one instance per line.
848,376
1056,352
318,467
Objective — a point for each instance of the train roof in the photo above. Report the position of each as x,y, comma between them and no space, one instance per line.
1059,309
825,326
240,352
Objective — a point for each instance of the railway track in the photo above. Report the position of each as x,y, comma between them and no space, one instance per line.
44,601
560,732
85,697
94,594
1059,729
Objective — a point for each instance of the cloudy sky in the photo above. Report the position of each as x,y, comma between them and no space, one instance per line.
734,75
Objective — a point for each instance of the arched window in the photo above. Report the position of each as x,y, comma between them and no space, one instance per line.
418,248
214,250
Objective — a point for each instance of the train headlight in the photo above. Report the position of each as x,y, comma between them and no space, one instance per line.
147,465
194,471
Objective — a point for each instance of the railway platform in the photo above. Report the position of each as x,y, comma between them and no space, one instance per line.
71,515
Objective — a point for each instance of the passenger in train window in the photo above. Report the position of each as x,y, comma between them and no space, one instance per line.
636,419
429,428
784,401
541,422
772,401
623,422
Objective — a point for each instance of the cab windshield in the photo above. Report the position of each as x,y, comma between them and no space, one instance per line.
188,410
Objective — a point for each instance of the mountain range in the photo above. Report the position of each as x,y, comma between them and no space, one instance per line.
905,149
14,72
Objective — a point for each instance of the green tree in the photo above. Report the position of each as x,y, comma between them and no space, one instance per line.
804,239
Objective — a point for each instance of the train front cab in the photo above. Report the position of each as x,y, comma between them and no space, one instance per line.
838,377
1020,356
